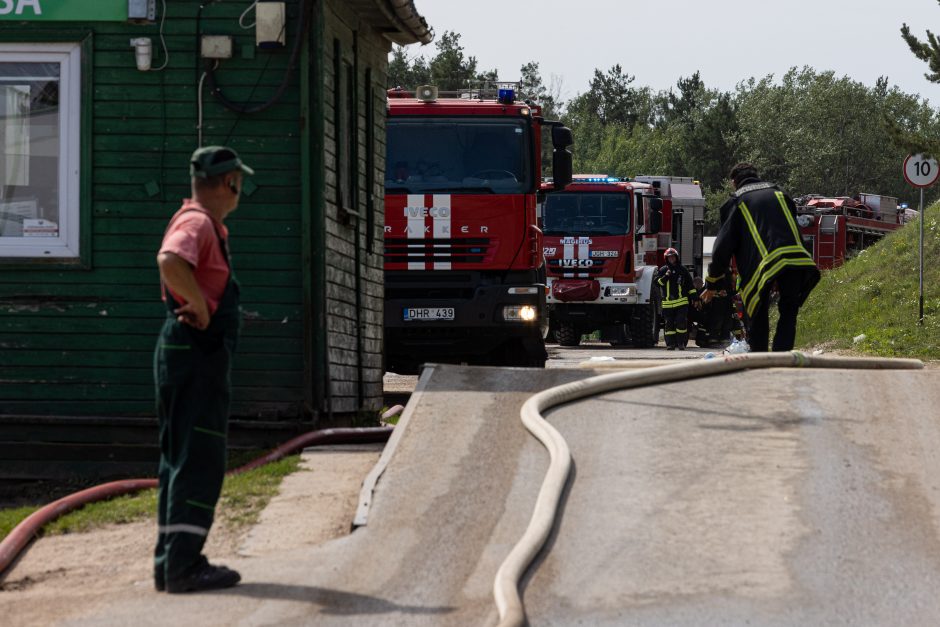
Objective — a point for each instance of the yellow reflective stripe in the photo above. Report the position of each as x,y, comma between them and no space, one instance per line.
752,305
768,259
749,219
674,304
711,279
789,216
694,291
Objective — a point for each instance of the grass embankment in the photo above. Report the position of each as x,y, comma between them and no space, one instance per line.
243,498
876,295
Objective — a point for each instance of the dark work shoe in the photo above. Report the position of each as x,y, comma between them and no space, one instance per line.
681,347
159,583
670,348
204,576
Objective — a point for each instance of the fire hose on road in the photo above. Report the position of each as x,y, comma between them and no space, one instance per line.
29,528
506,585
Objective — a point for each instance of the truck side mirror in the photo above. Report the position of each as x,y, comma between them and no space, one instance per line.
561,137
656,215
562,171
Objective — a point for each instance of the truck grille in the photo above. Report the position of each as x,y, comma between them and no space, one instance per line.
469,250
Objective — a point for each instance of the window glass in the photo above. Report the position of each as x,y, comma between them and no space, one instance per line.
581,213
483,155
39,201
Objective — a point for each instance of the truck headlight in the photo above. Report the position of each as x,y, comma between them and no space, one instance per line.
621,290
519,313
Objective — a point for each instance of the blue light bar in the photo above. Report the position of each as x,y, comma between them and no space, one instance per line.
597,179
505,95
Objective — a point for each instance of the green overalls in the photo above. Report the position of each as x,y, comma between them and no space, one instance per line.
192,371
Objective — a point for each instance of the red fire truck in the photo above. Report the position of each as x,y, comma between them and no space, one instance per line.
604,239
464,275
836,228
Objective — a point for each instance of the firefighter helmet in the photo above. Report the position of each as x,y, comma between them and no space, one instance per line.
671,251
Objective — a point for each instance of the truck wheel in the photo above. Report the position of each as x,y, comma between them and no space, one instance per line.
567,334
644,326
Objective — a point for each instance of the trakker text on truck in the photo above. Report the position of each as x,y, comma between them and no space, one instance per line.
604,240
463,252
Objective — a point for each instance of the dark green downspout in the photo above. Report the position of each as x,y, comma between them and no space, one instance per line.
354,164
313,218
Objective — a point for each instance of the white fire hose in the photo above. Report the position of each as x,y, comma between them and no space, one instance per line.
506,586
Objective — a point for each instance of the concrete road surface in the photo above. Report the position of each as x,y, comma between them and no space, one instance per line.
776,497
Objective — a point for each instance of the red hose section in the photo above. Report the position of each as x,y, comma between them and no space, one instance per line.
360,435
23,533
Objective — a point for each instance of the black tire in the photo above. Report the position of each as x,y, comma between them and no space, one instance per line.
644,326
567,334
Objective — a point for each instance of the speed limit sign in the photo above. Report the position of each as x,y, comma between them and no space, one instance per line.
921,171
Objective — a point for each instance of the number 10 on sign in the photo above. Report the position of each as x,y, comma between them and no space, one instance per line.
920,171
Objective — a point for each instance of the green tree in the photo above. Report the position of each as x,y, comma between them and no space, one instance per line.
928,52
611,104
533,90
451,69
812,132
407,72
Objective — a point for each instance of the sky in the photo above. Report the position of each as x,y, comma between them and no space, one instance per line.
659,42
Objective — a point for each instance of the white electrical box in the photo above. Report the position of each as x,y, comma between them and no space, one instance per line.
216,47
142,10
270,24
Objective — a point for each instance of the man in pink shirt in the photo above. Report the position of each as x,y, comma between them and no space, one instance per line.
192,368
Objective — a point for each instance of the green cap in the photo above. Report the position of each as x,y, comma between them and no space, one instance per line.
215,160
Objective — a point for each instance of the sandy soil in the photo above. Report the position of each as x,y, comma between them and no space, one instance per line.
65,576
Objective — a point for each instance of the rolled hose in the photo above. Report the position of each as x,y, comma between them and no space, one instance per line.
506,585
23,533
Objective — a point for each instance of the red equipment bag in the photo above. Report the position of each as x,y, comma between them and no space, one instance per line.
567,290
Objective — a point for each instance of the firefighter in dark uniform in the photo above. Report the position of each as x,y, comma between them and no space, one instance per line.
675,285
192,366
760,233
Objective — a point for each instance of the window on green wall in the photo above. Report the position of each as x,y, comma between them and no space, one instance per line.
40,101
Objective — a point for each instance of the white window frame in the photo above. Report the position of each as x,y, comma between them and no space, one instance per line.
69,58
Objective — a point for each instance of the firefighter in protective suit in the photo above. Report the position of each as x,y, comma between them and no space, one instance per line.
675,285
760,233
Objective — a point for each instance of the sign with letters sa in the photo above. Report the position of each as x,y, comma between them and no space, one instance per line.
63,10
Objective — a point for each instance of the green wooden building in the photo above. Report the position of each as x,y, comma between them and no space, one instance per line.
101,104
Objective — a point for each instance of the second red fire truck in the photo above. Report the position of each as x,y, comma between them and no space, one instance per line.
604,240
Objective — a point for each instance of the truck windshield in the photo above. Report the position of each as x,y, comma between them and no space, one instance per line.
467,155
580,213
